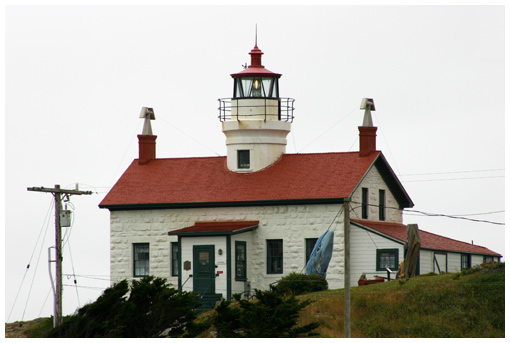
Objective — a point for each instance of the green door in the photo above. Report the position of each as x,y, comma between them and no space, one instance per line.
204,269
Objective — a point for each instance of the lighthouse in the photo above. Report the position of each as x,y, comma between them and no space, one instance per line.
256,120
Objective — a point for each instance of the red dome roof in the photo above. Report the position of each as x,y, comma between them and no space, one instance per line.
256,68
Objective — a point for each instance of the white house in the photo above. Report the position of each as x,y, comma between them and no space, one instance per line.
225,225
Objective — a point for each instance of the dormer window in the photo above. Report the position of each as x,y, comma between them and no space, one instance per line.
243,159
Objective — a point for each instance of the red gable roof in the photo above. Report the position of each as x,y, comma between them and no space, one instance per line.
224,228
205,180
427,240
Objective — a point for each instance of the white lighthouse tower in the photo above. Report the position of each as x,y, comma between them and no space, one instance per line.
255,121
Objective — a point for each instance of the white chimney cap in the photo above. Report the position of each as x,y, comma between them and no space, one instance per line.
147,111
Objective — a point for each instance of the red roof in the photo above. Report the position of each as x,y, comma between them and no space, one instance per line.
206,180
427,240
226,227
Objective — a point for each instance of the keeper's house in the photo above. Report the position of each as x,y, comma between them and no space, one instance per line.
225,225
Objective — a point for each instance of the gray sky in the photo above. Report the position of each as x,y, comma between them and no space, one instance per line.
77,77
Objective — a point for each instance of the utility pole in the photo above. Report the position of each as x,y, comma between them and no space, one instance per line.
58,193
347,270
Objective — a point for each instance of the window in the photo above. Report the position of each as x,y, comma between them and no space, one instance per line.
387,258
256,87
465,261
140,259
364,203
309,245
175,259
240,260
382,200
243,159
275,256
488,259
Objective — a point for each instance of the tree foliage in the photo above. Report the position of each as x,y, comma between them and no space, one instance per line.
297,283
151,309
271,315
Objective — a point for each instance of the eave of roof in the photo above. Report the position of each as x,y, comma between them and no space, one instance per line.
428,240
216,228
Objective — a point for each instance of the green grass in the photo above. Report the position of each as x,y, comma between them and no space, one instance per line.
41,329
466,304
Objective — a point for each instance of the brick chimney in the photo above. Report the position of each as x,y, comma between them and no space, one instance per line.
146,148
146,141
367,140
367,132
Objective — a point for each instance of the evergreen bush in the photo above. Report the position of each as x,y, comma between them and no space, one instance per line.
297,283
151,309
271,315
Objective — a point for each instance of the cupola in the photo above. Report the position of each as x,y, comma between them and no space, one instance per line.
256,120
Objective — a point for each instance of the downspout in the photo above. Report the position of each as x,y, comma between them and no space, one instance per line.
229,267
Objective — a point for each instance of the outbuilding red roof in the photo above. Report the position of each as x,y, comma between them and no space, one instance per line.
203,181
427,240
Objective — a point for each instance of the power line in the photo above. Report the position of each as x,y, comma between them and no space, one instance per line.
457,178
30,260
189,136
463,217
453,172
454,217
329,129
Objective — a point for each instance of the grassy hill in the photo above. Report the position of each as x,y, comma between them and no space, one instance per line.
466,304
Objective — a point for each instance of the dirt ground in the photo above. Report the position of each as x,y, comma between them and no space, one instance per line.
18,329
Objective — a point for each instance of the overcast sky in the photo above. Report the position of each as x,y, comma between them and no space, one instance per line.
77,77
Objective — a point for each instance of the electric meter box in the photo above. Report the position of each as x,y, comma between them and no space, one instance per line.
65,218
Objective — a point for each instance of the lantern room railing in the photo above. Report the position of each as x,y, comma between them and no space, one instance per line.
266,109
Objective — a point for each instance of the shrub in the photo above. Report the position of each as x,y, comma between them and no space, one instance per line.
271,315
152,309
297,283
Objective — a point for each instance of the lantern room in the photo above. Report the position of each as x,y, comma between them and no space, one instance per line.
256,120
255,81
256,94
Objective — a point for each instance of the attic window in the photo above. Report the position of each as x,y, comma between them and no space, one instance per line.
382,200
243,159
364,203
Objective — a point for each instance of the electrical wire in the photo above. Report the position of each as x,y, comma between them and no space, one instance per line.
46,299
125,152
189,136
329,129
74,277
453,172
457,178
30,260
35,272
442,215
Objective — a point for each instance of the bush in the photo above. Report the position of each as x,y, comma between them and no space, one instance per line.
297,283
271,315
152,309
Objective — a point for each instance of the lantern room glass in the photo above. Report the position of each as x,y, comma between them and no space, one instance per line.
255,87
